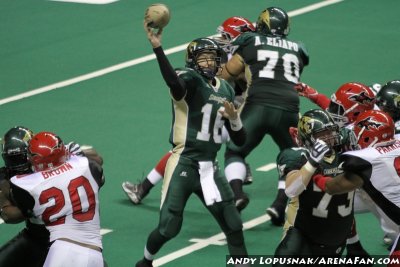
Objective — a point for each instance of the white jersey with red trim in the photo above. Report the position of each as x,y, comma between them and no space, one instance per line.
65,199
380,169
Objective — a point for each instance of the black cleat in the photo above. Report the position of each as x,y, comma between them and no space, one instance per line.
277,214
242,202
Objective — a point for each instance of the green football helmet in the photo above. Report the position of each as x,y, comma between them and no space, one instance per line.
273,21
318,124
388,99
14,147
198,47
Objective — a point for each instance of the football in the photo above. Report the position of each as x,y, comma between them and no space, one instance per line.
157,16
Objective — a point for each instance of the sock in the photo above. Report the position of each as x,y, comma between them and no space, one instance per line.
146,186
281,198
147,255
282,185
154,176
236,245
154,242
237,186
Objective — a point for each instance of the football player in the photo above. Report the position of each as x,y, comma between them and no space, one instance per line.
375,167
349,101
231,28
30,246
202,104
388,100
272,105
50,194
33,240
317,223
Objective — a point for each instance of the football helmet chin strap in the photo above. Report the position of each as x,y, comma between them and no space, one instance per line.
210,72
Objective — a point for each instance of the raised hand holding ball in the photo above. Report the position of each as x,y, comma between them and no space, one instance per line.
157,16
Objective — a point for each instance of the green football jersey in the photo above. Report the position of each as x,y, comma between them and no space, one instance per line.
323,218
276,64
196,123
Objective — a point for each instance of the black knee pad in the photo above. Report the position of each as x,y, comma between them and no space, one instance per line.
232,217
171,225
235,238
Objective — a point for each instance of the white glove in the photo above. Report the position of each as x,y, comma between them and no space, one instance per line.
74,148
318,152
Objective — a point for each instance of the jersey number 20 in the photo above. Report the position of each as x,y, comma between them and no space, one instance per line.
75,187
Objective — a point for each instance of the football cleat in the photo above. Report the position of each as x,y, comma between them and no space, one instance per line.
277,214
242,202
133,191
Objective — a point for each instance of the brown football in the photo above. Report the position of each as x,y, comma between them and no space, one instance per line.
157,16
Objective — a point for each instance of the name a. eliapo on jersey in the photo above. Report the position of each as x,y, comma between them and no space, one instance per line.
277,42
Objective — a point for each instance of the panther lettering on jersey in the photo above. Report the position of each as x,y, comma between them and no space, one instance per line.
63,168
333,171
217,99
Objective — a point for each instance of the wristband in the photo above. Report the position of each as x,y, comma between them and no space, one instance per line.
321,181
236,124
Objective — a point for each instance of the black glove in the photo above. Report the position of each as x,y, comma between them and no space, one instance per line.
318,152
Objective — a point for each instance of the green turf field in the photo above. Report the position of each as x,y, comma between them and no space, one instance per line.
74,53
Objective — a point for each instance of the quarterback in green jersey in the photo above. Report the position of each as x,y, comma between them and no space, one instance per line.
317,223
201,103
272,104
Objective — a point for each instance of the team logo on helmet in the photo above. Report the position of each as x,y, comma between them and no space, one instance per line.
396,101
264,17
27,137
306,124
361,98
369,123
240,28
191,46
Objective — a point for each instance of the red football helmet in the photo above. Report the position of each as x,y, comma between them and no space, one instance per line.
373,127
349,101
232,28
46,151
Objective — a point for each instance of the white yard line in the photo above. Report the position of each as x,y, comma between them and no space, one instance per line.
137,61
218,239
267,167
